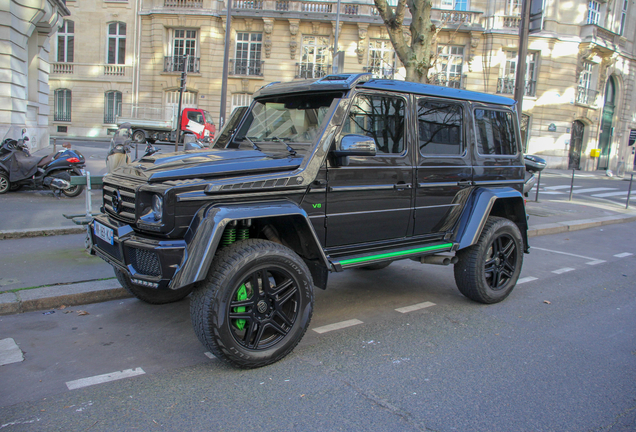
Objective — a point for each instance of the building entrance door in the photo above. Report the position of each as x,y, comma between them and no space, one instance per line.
576,144
605,139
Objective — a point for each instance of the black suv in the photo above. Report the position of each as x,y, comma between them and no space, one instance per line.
318,176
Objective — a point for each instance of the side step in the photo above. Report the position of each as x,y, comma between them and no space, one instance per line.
390,255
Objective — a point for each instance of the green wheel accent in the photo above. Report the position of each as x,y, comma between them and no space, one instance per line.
241,295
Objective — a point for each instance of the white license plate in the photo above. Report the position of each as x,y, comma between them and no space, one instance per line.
103,232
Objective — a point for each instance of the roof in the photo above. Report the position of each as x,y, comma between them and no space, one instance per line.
365,81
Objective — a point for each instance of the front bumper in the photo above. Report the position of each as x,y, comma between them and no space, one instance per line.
147,261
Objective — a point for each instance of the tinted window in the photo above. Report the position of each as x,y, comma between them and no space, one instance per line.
378,117
495,132
439,128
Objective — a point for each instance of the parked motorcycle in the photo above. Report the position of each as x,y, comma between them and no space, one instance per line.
534,164
18,168
121,146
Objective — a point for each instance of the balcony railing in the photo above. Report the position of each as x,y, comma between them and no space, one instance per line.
183,4
114,70
586,96
282,5
246,67
453,81
316,7
176,64
311,70
381,72
247,4
507,86
62,68
91,70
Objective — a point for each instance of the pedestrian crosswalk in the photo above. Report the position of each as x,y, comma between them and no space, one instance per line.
597,192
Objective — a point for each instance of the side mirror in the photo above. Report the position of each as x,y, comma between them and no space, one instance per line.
355,145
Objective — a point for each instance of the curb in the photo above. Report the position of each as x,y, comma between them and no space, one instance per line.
53,297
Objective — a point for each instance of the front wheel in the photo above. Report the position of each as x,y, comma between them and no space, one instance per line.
488,271
255,304
5,185
151,295
73,191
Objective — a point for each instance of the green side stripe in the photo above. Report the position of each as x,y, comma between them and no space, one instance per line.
395,254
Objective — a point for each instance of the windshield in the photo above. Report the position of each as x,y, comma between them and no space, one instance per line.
208,118
284,123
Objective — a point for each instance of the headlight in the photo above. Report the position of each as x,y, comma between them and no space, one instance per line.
157,207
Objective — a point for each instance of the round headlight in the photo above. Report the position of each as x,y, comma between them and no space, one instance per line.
157,207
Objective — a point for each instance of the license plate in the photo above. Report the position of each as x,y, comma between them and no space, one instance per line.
103,232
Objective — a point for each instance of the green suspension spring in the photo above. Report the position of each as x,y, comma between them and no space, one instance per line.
229,236
243,234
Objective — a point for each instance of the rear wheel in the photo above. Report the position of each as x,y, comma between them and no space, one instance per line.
255,304
15,187
5,186
488,271
73,191
151,295
139,137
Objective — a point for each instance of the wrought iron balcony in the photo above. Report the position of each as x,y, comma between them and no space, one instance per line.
246,67
176,64
586,96
382,72
311,70
453,81
507,86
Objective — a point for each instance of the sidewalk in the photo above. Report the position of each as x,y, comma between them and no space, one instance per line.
548,216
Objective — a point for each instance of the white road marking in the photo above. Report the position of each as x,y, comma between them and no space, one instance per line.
415,307
623,255
337,326
526,279
610,194
595,262
545,192
563,270
100,379
210,355
560,187
10,352
577,191
564,253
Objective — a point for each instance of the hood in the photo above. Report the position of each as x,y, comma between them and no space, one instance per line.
208,163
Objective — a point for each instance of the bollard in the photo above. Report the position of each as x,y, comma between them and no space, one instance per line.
54,145
571,186
89,202
629,191
536,198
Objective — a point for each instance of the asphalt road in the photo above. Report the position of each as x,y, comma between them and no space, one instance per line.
558,355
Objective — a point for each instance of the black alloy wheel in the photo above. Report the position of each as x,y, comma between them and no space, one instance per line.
488,271
255,305
5,185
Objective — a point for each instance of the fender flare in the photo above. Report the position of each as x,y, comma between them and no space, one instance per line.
207,227
480,205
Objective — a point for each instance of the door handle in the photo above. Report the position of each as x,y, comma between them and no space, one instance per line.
464,183
320,183
401,186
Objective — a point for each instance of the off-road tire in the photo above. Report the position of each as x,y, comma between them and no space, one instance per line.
152,295
488,271
376,266
5,185
271,328
139,137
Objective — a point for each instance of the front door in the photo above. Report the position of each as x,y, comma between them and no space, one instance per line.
605,138
576,144
369,199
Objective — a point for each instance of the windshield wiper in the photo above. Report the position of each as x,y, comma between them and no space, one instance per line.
289,148
253,143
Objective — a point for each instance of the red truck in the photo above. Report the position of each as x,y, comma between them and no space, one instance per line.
151,124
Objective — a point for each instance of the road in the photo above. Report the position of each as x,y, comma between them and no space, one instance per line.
558,355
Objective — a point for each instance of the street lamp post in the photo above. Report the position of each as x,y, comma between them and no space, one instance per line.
226,61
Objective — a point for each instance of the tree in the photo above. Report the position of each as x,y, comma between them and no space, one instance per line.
416,55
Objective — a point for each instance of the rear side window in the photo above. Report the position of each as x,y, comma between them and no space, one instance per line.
495,132
379,117
440,128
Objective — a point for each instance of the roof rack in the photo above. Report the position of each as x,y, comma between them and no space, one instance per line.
349,80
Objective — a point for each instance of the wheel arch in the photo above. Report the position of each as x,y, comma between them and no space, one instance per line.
281,222
504,202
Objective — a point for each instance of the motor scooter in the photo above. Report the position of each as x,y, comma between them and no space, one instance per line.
18,168
121,147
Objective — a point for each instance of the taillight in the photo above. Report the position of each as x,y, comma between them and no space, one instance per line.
73,160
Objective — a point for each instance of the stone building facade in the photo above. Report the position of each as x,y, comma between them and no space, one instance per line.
26,27
581,69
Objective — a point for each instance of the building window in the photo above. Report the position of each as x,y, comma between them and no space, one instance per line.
593,12
459,5
513,7
184,43
621,28
189,99
66,42
248,54
448,68
62,110
495,132
116,43
240,99
381,59
506,83
314,56
112,106
585,95
378,117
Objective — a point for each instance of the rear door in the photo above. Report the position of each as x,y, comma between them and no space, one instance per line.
444,169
